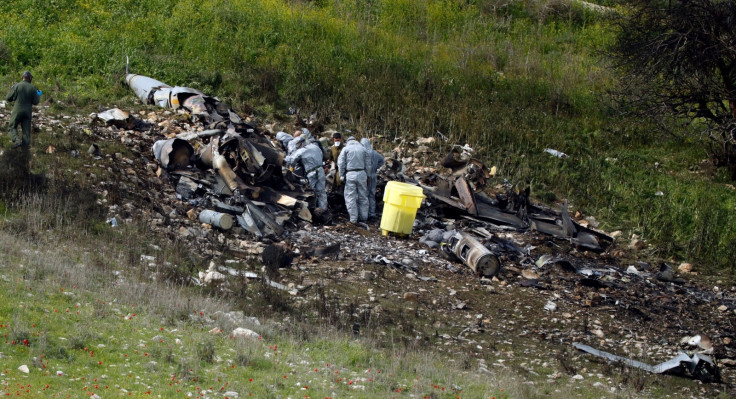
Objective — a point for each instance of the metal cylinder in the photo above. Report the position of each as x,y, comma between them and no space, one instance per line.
173,153
475,255
217,219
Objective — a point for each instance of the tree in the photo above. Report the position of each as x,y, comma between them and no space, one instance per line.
677,59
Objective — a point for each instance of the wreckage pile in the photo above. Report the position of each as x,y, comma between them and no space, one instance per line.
216,180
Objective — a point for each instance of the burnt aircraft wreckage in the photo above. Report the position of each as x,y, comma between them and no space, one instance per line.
251,185
228,172
248,165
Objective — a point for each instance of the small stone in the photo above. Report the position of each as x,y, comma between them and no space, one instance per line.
410,296
192,214
214,277
637,244
723,308
529,274
727,362
685,268
577,377
215,330
241,332
599,333
23,369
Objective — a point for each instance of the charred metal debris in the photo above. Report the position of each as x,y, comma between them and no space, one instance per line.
266,199
218,178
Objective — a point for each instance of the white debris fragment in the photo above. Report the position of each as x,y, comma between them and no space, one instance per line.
555,153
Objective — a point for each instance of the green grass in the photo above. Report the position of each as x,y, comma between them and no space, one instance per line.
86,320
510,79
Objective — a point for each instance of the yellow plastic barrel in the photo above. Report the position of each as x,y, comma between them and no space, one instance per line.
401,202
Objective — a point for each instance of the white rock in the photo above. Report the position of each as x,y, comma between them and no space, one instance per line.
550,306
231,394
241,332
24,369
577,377
59,373
213,277
632,270
685,268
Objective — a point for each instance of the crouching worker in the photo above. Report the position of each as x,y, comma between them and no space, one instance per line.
352,164
309,156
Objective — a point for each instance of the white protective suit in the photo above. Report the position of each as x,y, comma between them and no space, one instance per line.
352,164
292,145
377,161
284,139
311,139
309,156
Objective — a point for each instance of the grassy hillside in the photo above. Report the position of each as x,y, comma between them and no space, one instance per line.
78,312
509,78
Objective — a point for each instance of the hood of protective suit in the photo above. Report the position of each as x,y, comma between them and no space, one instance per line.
284,138
366,144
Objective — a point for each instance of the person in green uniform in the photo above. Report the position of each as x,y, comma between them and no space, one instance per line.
25,96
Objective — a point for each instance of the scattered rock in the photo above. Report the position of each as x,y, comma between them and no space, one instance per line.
529,274
367,275
685,268
637,244
23,369
666,273
241,332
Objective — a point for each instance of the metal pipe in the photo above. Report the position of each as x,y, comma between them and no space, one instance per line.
217,219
